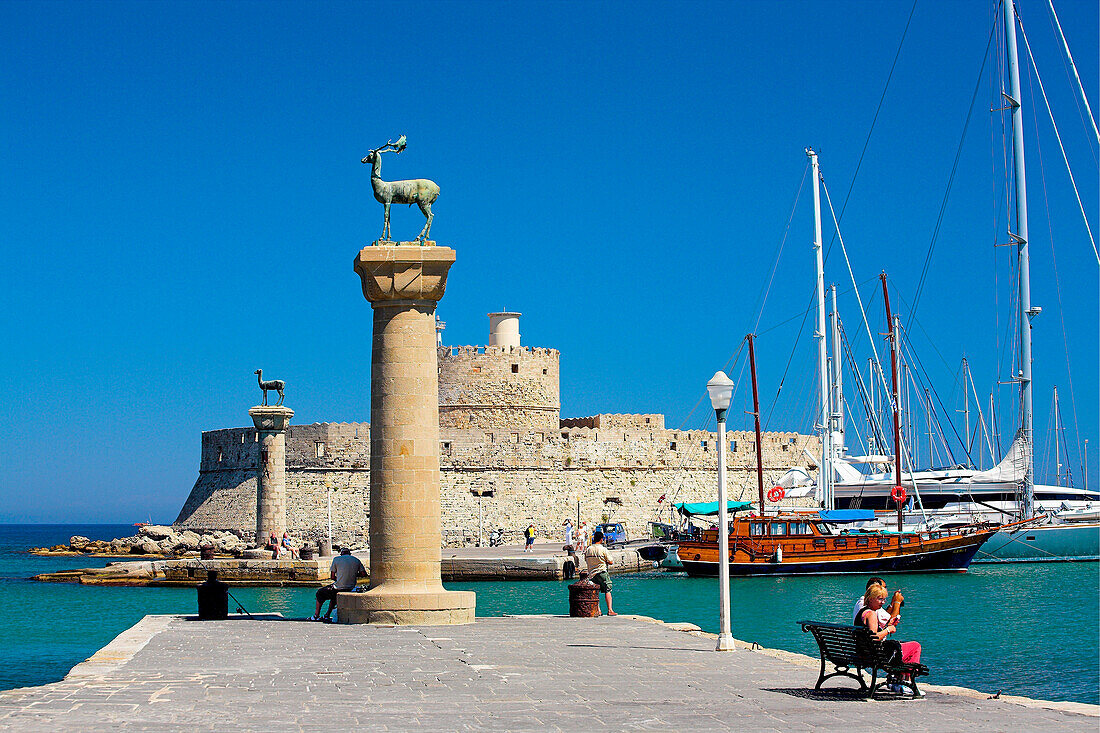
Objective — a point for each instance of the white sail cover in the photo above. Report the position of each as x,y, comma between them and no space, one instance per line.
1012,468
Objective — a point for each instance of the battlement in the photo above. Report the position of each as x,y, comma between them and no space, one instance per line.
497,351
652,421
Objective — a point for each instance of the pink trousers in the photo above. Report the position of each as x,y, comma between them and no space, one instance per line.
910,653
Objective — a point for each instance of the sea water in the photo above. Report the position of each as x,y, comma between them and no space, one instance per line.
1022,629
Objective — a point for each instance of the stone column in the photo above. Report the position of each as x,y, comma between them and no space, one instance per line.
271,422
404,282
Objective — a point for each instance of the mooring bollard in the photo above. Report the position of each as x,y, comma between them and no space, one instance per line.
206,552
213,598
584,598
305,552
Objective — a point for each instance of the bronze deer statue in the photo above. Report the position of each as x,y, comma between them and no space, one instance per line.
419,191
276,384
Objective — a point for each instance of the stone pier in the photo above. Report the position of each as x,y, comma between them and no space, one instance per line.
403,283
271,423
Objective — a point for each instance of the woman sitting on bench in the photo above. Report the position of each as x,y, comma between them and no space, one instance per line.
873,600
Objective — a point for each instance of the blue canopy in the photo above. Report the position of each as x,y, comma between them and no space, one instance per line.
843,516
709,508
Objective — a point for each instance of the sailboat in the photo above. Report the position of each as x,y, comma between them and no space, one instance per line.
1055,522
823,542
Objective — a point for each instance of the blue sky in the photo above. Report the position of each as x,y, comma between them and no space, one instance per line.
182,197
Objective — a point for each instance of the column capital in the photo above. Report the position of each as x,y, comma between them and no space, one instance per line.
273,418
403,272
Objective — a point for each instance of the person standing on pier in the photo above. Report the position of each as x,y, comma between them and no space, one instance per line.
599,562
567,531
529,536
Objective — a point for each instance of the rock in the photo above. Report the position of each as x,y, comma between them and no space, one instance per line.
78,542
189,540
149,548
120,546
256,553
206,539
157,532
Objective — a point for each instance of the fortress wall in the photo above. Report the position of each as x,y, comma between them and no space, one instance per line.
546,497
328,445
221,499
535,476
489,386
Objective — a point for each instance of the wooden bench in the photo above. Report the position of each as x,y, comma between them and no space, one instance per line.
850,648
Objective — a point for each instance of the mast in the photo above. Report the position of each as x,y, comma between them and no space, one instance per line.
1021,240
1057,441
872,446
756,421
825,474
966,405
894,397
837,437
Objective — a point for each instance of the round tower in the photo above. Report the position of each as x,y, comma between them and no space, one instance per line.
503,386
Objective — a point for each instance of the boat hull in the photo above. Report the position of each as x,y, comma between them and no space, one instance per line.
955,559
1045,543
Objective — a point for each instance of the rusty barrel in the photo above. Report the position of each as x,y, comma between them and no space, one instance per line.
584,599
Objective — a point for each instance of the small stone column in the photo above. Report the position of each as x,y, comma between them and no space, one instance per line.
404,282
271,422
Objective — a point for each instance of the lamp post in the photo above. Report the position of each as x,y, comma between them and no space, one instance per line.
720,388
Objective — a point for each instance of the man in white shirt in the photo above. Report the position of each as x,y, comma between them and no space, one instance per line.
598,560
885,615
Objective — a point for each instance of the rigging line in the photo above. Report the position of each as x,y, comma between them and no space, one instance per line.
763,298
927,381
1058,288
878,109
1058,137
862,310
876,425
1080,88
954,170
725,367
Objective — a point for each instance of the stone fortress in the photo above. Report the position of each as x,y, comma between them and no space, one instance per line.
507,459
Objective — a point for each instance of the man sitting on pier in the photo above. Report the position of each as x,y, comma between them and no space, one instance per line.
885,614
598,560
344,571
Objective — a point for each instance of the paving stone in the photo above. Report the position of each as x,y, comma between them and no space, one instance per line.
514,673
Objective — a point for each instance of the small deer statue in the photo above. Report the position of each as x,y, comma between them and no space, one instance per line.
419,191
276,384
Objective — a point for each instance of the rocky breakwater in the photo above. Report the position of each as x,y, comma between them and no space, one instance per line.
152,540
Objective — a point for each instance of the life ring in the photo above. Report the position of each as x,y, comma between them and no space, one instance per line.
775,494
898,494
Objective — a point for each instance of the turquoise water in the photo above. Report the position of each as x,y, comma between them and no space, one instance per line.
1027,629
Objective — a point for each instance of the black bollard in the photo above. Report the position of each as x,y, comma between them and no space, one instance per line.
213,598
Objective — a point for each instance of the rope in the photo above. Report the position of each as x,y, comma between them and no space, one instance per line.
1058,291
862,310
1058,137
1080,88
867,140
951,178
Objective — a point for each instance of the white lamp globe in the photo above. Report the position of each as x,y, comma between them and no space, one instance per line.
720,388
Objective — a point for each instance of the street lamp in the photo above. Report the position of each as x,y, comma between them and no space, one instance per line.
720,388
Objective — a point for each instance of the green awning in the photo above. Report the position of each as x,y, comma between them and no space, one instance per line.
710,508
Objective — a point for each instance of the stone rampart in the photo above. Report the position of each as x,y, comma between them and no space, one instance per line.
534,476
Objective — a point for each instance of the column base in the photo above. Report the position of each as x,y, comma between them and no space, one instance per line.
445,608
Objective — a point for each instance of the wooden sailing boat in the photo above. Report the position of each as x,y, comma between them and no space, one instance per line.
810,543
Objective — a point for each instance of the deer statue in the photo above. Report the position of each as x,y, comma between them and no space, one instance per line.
419,191
276,384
